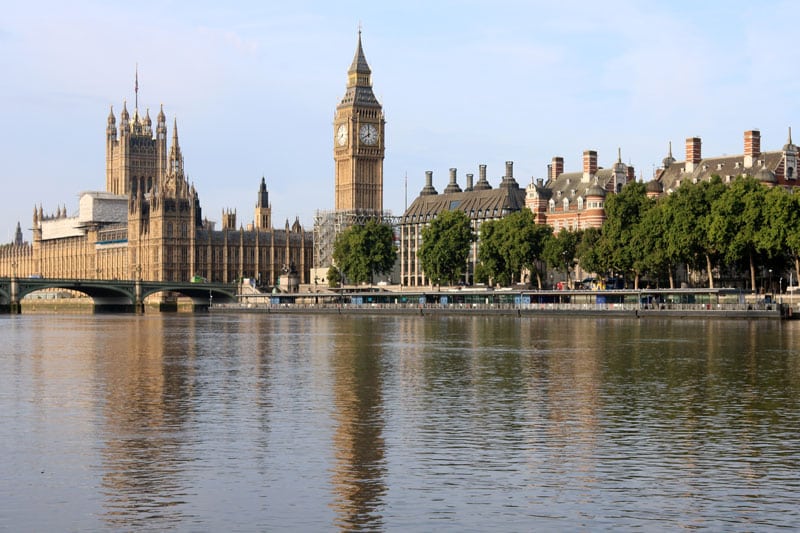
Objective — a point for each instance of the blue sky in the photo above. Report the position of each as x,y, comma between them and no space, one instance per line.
254,86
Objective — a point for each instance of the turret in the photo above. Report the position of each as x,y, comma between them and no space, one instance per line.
263,217
175,157
111,128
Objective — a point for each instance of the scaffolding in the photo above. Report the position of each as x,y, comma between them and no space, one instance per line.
329,224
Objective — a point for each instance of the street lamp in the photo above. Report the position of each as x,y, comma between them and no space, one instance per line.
770,280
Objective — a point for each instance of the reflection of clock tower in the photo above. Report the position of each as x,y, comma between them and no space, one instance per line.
358,130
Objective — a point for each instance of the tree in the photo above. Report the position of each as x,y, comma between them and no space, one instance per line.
779,237
650,237
445,247
624,211
512,244
560,251
688,218
334,277
587,252
737,217
364,250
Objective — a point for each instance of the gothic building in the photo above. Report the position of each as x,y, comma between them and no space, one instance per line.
148,223
359,143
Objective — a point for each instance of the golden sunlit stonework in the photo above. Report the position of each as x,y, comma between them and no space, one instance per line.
358,129
148,223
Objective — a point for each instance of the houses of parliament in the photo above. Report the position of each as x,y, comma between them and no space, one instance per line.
148,222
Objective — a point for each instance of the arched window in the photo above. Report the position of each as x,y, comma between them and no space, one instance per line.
552,205
566,204
580,203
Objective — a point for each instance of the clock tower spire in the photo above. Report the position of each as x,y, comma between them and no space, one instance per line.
359,141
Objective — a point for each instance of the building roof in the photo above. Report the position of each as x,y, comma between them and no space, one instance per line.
487,203
676,173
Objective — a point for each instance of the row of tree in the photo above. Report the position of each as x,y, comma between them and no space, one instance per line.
708,226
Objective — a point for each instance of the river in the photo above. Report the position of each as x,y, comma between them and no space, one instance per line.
252,422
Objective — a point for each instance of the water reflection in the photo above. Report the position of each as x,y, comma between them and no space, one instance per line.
360,469
242,422
145,408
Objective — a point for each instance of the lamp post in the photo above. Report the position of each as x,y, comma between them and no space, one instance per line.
770,280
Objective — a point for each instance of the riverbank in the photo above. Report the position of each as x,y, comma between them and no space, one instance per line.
720,311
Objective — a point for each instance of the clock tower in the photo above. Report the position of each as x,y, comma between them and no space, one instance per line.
359,142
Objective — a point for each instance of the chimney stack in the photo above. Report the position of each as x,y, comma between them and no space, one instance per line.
428,189
469,182
453,185
508,180
589,163
693,156
556,167
752,147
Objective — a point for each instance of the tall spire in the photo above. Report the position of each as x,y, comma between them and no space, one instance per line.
359,73
175,157
136,87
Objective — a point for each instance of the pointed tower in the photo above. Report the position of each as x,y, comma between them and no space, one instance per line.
263,216
790,159
359,142
134,159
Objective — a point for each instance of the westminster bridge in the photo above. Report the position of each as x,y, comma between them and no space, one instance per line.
115,295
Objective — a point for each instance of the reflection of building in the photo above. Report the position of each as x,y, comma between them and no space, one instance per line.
359,476
148,223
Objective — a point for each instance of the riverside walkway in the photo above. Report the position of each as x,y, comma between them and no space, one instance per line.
676,303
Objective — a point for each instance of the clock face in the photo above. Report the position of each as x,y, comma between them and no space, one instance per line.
368,134
341,135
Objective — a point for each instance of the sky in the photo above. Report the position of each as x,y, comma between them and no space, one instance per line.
254,86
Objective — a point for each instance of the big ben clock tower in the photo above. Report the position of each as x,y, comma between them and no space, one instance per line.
359,142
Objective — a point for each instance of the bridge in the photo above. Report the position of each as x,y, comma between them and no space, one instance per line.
115,295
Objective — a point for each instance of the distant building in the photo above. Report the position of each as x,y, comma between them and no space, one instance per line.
480,201
576,200
359,144
148,223
773,168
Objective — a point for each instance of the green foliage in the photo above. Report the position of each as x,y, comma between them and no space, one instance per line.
560,251
737,218
445,247
363,250
587,252
511,244
621,250
334,277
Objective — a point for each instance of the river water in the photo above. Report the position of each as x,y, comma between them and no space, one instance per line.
251,422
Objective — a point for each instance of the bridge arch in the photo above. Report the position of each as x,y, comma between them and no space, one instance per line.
116,295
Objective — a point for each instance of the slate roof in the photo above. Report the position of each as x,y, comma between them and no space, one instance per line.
486,203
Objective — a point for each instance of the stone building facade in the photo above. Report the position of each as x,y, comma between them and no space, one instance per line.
480,201
148,223
576,200
772,168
